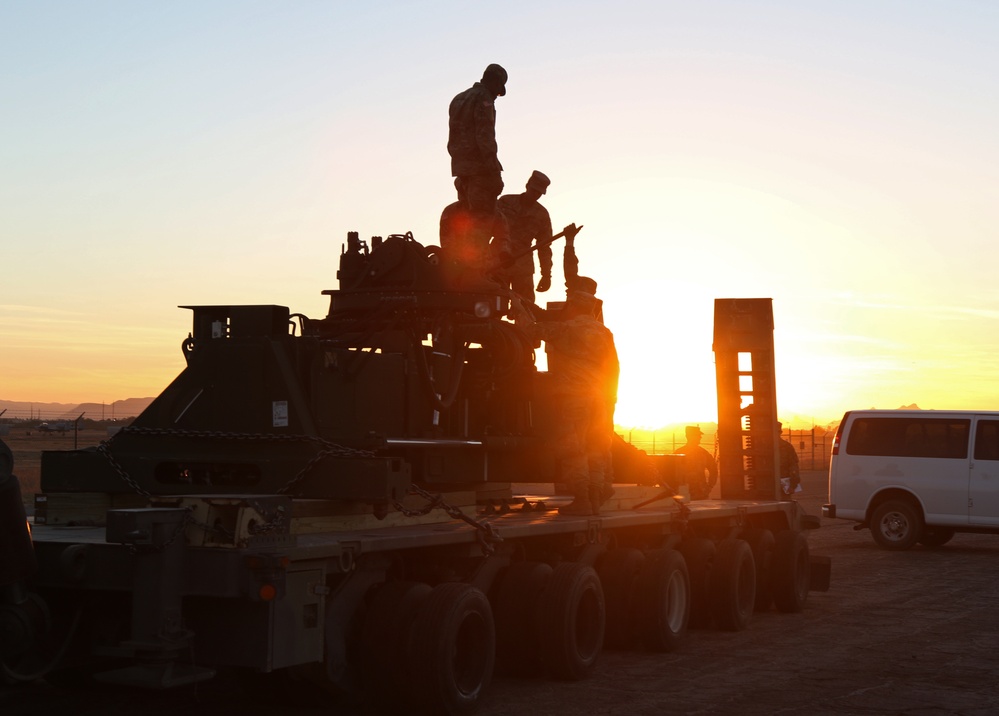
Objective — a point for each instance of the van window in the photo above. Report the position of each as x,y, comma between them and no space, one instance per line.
987,440
909,437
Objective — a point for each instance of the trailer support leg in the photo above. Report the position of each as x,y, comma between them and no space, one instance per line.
159,638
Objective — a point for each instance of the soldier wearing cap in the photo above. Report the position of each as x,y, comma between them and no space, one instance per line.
472,146
583,364
790,473
699,469
529,222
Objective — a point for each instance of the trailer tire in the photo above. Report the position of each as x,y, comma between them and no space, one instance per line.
385,637
699,554
934,537
896,524
515,611
572,608
662,601
619,569
453,650
733,585
792,568
762,542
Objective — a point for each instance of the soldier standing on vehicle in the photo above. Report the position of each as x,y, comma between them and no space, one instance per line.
472,146
583,363
529,224
465,249
699,469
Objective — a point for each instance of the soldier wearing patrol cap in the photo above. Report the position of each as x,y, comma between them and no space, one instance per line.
472,145
583,364
699,469
528,222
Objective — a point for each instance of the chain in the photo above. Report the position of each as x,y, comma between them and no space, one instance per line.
684,514
179,529
329,449
105,449
485,532
275,524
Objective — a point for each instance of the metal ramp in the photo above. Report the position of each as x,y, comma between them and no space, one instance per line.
748,452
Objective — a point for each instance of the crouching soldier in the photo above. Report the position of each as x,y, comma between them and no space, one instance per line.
583,364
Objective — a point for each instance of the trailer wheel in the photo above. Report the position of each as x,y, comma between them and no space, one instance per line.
761,541
385,636
733,585
572,608
933,537
699,553
515,611
896,524
453,649
662,601
792,569
619,570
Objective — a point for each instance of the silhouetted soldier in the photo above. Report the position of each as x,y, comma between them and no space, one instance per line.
789,469
529,224
570,264
469,253
583,363
699,469
472,146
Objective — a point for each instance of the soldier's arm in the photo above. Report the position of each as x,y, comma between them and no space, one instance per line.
570,264
544,242
541,327
712,468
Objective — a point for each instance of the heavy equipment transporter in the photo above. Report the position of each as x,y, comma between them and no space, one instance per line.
364,503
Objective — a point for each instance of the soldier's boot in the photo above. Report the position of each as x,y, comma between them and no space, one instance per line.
599,494
581,504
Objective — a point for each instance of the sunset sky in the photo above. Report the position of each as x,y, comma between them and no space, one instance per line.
839,157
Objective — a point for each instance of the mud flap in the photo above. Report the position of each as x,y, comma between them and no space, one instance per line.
819,568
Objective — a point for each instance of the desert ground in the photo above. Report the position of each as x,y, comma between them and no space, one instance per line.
897,633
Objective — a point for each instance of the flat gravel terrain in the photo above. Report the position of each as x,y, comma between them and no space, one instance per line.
914,632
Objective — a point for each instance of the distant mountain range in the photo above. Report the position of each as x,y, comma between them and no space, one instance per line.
128,408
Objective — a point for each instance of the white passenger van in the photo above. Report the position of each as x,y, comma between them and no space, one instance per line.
916,475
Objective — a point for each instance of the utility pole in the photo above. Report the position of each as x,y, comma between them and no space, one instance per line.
76,431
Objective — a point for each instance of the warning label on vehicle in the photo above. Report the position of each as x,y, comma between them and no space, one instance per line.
280,412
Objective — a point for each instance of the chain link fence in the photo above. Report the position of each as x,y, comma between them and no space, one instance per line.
813,445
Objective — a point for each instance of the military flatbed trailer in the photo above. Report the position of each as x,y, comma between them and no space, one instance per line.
418,613
343,504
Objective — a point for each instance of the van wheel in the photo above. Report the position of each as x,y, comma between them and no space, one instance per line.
896,524
935,536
